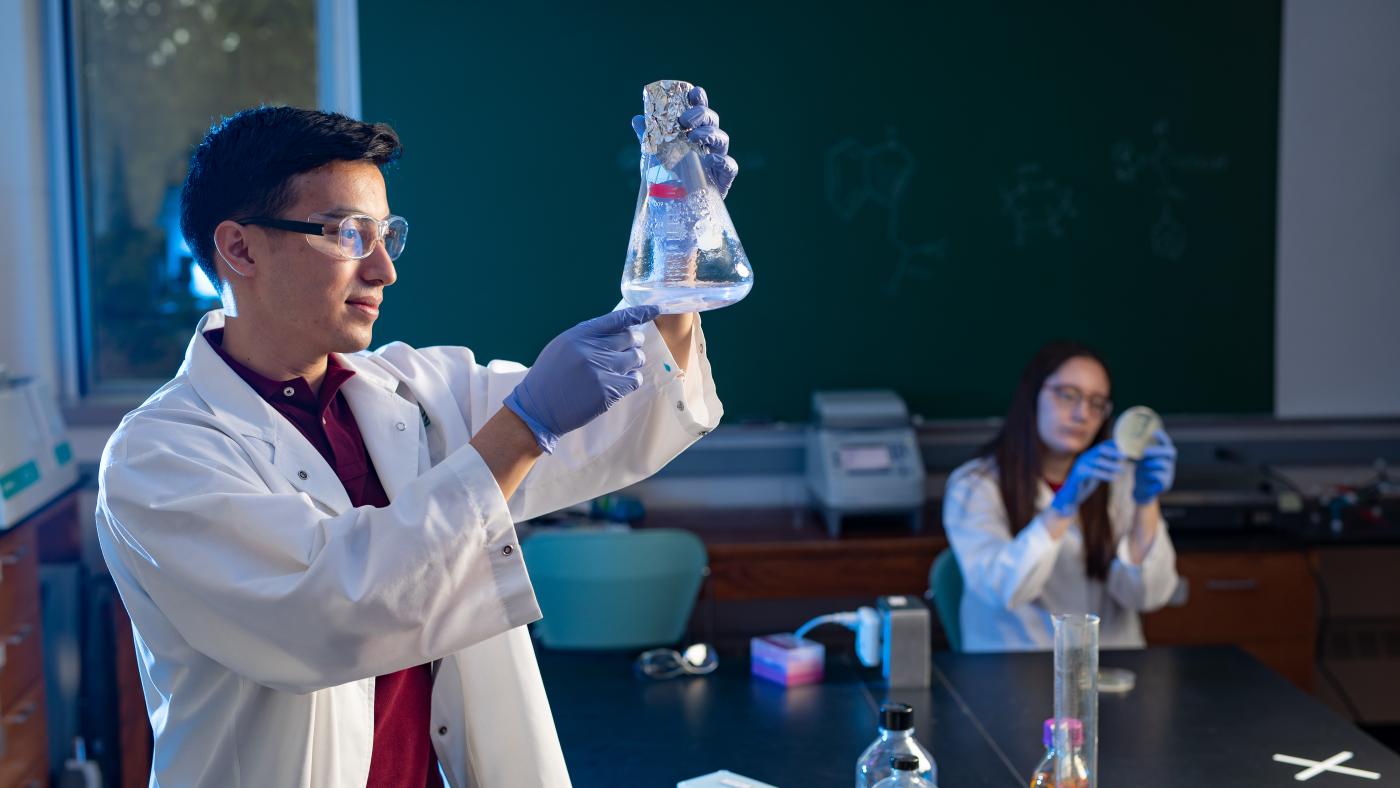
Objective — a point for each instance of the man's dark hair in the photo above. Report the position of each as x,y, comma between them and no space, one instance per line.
245,164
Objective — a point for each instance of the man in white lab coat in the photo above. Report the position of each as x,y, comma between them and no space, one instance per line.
316,544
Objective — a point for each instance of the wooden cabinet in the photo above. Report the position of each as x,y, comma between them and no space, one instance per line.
776,554
1263,601
134,727
22,708
850,567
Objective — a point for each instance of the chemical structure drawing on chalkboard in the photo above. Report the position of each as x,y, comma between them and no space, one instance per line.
1037,204
1168,237
879,174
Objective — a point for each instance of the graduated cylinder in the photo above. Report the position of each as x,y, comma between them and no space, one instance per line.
1076,728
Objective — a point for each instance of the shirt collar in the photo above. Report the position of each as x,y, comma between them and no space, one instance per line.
296,391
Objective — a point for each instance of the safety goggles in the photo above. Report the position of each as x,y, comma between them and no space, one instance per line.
1069,398
665,663
348,237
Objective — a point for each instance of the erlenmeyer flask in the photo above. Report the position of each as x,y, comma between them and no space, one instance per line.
684,255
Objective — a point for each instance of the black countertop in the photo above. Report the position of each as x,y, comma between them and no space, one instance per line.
620,730
1197,717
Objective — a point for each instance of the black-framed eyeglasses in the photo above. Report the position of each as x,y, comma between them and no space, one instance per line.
348,237
1070,397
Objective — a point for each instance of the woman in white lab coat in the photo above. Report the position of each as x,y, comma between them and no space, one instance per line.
1051,519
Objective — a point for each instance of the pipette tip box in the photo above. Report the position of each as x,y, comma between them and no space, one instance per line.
787,660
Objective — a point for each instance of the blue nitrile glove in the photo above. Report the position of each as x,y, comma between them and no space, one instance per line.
1094,467
1156,470
581,373
705,134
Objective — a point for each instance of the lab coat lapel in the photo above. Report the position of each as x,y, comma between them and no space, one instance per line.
241,411
388,423
304,467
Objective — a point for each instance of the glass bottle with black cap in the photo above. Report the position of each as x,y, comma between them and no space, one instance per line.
905,774
896,739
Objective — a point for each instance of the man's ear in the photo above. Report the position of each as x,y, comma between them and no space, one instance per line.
232,250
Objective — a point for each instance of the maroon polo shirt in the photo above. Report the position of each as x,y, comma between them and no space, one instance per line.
403,754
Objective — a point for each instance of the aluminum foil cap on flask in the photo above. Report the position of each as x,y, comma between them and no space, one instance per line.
663,103
683,254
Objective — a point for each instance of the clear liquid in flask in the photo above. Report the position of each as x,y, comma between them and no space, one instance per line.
684,254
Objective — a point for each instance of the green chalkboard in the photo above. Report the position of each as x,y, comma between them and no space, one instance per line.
928,190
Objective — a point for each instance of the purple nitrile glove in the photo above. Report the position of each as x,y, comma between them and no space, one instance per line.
581,373
1094,467
706,135
1156,470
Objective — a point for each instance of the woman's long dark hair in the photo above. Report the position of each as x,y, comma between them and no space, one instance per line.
1017,450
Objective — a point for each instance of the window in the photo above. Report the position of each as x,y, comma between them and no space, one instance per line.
148,78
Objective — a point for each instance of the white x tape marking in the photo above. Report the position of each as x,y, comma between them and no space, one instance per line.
1314,768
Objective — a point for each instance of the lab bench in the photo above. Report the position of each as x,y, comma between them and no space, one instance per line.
1197,716
51,537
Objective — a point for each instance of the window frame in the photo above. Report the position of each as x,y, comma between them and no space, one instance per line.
337,90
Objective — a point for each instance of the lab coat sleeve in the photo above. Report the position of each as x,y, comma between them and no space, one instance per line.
276,590
1147,586
1003,570
634,439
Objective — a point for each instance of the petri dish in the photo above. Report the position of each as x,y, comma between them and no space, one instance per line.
1133,430
1116,680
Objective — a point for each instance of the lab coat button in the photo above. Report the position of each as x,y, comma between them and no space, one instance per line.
507,550
680,406
301,475
289,391
442,731
400,426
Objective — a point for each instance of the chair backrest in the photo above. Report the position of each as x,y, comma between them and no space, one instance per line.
614,589
946,581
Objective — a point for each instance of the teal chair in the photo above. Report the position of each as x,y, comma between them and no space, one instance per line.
945,582
614,589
